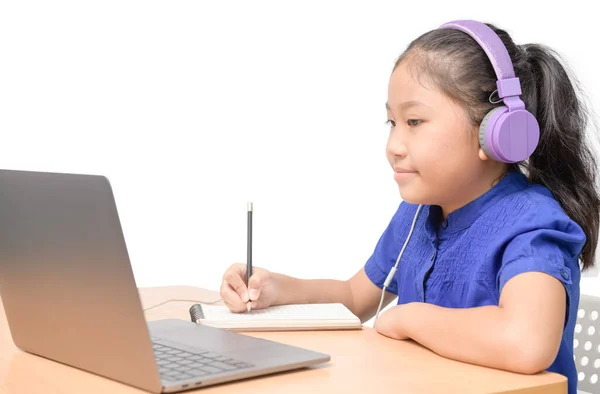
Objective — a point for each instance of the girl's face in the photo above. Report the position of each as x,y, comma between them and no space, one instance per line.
432,146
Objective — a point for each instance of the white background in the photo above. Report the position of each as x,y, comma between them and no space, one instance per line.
193,108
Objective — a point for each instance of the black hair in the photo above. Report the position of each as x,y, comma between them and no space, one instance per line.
563,161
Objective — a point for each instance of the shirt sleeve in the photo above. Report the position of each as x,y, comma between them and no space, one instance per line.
550,245
386,251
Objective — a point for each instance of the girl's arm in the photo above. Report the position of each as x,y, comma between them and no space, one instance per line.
522,334
358,293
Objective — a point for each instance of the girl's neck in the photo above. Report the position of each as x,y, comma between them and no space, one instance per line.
483,187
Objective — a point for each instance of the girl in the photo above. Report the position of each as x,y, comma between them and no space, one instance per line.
497,234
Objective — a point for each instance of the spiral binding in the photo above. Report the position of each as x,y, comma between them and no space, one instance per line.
196,313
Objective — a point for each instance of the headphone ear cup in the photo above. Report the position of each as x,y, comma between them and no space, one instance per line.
485,133
509,137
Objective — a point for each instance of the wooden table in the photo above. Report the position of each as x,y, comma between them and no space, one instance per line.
361,362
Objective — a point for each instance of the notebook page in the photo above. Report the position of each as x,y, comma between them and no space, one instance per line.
281,312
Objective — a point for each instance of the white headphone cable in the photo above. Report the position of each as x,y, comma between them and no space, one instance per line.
390,276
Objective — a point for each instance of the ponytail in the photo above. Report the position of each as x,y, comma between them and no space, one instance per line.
563,161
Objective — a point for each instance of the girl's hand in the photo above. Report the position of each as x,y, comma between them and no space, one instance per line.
263,289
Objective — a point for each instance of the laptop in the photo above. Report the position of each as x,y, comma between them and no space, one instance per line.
70,295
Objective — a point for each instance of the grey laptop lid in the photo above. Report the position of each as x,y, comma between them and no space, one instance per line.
61,273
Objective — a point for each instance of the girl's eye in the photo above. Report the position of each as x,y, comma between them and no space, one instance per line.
391,123
413,122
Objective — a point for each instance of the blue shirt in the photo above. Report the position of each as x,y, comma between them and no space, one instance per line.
465,260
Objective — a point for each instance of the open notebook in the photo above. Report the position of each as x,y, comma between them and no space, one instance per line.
282,318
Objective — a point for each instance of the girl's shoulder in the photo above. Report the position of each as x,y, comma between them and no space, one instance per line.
533,214
534,205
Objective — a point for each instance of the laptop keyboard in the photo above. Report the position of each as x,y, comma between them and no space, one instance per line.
177,364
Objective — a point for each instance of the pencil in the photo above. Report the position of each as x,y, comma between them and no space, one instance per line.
249,254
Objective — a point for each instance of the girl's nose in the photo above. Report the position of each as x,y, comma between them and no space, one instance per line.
396,146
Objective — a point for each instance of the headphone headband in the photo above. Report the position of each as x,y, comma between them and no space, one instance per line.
508,85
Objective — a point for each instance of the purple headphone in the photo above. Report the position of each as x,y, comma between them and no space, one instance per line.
508,133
